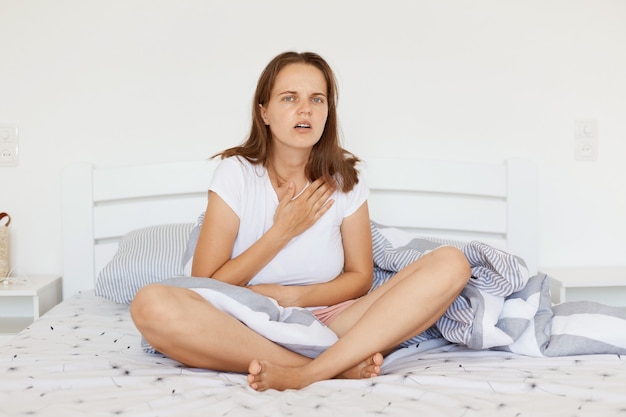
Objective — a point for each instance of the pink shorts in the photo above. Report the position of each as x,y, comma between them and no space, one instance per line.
327,314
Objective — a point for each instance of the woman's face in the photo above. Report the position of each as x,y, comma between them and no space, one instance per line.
298,107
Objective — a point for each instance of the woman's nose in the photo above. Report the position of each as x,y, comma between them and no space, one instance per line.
305,108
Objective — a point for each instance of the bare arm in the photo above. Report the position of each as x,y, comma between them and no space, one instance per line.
355,280
221,224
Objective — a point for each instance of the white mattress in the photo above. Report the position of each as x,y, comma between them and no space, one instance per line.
84,358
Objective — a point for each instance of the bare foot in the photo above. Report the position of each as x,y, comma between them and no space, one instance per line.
369,368
265,375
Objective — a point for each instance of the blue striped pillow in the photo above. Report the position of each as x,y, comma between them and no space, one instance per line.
144,256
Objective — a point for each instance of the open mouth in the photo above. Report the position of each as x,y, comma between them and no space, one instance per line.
303,126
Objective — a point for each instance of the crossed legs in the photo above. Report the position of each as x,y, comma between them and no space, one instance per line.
403,307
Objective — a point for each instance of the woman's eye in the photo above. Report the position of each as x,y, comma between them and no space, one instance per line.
289,99
317,100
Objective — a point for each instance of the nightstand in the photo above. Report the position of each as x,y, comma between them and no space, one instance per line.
24,299
604,285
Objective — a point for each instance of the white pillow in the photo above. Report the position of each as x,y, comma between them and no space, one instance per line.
144,256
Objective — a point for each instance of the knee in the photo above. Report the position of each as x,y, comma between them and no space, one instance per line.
149,305
455,266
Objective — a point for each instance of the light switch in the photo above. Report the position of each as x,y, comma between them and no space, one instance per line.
586,139
8,145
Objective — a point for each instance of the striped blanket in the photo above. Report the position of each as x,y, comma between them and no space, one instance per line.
501,308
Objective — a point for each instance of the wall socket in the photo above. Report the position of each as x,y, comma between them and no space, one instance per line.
8,145
586,139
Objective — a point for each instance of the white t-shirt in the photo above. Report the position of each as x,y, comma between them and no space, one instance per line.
315,256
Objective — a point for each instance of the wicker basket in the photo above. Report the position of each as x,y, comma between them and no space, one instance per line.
4,244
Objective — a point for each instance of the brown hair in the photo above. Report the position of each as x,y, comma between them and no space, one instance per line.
328,159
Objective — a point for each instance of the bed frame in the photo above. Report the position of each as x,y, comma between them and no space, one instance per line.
494,203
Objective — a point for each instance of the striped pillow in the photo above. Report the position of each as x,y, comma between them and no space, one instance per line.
144,256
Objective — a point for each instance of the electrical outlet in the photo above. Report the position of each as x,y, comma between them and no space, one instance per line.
8,156
586,139
8,145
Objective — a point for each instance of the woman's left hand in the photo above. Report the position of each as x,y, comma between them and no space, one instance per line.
286,296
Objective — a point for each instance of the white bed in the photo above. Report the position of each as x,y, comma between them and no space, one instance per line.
84,357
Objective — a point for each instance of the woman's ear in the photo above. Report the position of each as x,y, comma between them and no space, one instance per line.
263,114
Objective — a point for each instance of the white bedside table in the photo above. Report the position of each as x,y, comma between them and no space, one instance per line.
24,299
603,285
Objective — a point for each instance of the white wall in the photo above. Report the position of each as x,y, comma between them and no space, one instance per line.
127,81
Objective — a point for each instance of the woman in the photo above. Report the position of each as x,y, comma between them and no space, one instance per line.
287,217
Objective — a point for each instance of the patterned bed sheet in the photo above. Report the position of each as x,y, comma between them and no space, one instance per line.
84,357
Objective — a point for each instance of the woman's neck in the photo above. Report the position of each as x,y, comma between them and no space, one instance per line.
282,171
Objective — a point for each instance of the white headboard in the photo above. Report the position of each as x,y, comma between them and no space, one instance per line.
494,203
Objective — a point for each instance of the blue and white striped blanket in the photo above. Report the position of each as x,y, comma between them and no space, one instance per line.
501,308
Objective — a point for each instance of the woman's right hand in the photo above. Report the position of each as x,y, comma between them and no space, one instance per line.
295,215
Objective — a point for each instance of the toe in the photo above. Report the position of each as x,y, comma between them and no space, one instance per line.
255,368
